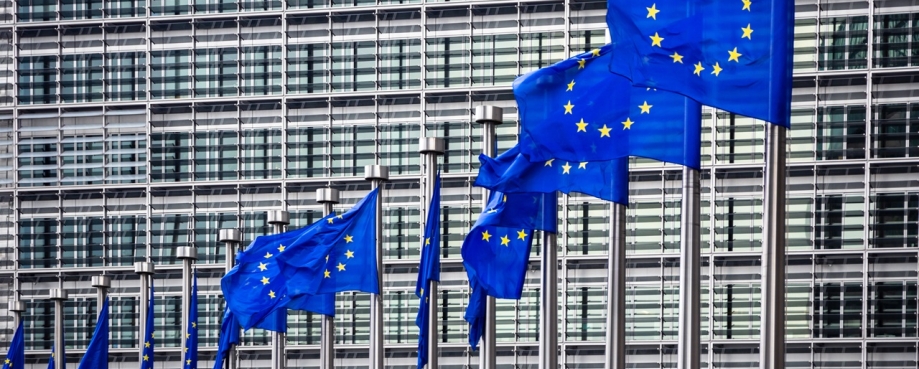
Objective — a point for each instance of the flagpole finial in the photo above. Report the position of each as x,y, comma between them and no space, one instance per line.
101,281
431,145
278,217
187,252
144,267
57,294
372,172
229,235
17,306
489,114
327,195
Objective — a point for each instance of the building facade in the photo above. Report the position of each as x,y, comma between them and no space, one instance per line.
130,128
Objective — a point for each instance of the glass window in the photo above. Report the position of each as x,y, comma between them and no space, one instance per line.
38,79
171,74
843,43
125,74
261,70
840,132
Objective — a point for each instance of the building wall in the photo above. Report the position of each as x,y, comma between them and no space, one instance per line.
130,128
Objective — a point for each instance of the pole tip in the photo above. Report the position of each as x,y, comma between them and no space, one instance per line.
57,294
372,172
229,235
327,195
281,217
101,281
489,114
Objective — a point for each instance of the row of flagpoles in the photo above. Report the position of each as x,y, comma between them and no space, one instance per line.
430,149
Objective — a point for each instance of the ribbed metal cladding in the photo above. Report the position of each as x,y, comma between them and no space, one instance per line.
229,235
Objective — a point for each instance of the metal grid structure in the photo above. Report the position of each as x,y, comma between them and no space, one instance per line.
131,128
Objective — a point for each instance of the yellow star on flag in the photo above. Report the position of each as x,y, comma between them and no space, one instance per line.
595,52
268,255
147,344
194,325
271,293
566,169
627,124
581,63
327,274
568,107
262,266
747,32
264,281
582,165
734,55
188,362
281,248
187,335
652,11
349,254
521,235
341,267
716,69
549,163
699,69
146,358
505,241
677,58
427,241
349,239
486,236
331,220
604,131
645,108
570,85
746,4
656,40
582,125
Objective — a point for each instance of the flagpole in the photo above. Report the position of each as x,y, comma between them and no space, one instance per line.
327,197
430,148
489,117
58,295
615,294
377,174
145,269
278,219
690,273
188,254
232,238
772,323
548,330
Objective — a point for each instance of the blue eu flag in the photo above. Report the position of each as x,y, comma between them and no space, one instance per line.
147,362
337,253
15,357
729,54
428,270
578,111
475,313
229,336
51,359
497,249
513,172
191,335
96,356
